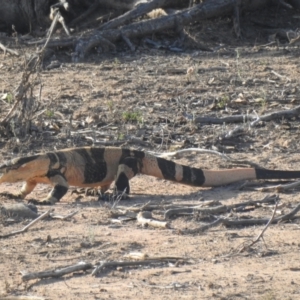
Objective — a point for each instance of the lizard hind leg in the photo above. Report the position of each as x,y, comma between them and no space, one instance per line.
26,189
127,169
60,188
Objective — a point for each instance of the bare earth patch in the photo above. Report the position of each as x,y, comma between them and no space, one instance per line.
148,101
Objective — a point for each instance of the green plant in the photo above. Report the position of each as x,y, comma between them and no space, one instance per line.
110,105
132,116
116,62
223,101
238,64
121,136
49,113
8,97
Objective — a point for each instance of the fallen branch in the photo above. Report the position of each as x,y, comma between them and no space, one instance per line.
115,264
81,266
280,187
145,219
278,114
202,11
41,217
246,222
226,120
138,11
287,113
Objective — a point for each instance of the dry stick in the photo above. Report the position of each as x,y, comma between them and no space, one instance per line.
199,150
201,228
41,217
144,218
262,232
131,263
5,49
81,266
64,217
278,114
247,222
280,187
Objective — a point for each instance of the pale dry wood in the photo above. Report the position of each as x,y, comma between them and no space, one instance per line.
41,217
10,51
280,187
145,219
81,266
288,113
143,256
135,13
70,215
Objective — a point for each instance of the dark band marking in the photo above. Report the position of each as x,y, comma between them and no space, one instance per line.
198,177
52,173
125,153
276,174
186,174
192,176
122,183
59,191
131,163
25,160
53,159
138,154
167,168
95,168
62,159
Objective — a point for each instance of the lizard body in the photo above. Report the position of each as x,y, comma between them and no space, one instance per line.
100,166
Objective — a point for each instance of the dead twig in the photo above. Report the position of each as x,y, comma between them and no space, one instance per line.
41,217
262,232
64,217
10,51
81,266
246,222
202,228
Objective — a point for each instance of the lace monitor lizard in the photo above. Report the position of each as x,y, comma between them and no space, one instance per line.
100,166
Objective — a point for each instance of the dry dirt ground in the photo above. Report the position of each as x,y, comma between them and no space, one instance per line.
145,100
